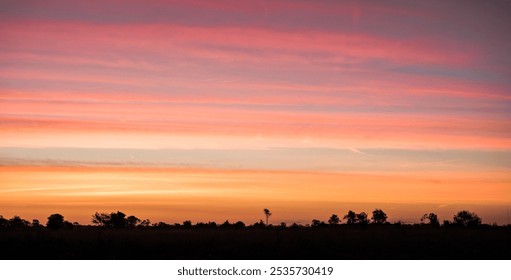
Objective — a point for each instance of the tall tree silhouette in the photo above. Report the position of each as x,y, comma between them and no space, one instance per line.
55,221
362,218
379,217
267,213
334,220
118,220
351,217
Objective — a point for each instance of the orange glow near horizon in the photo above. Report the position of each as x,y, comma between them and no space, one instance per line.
201,195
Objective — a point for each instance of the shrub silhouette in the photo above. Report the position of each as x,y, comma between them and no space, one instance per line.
55,221
379,217
466,219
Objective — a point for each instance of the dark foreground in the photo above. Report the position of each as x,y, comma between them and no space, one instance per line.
386,242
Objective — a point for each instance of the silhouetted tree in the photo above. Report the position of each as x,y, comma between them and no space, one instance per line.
132,221
35,223
239,225
162,225
17,222
334,220
351,217
145,223
466,219
55,221
4,223
267,213
118,220
101,219
67,225
432,219
187,224
259,224
283,225
114,220
379,217
295,226
362,218
226,224
315,223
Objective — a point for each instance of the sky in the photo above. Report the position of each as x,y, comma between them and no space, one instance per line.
215,110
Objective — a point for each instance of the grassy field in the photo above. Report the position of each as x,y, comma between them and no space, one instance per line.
344,242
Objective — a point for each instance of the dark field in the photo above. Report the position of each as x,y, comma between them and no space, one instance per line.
343,242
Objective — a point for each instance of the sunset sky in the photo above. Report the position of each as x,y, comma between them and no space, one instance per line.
215,110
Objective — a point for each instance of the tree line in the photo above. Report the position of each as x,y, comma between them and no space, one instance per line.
119,220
